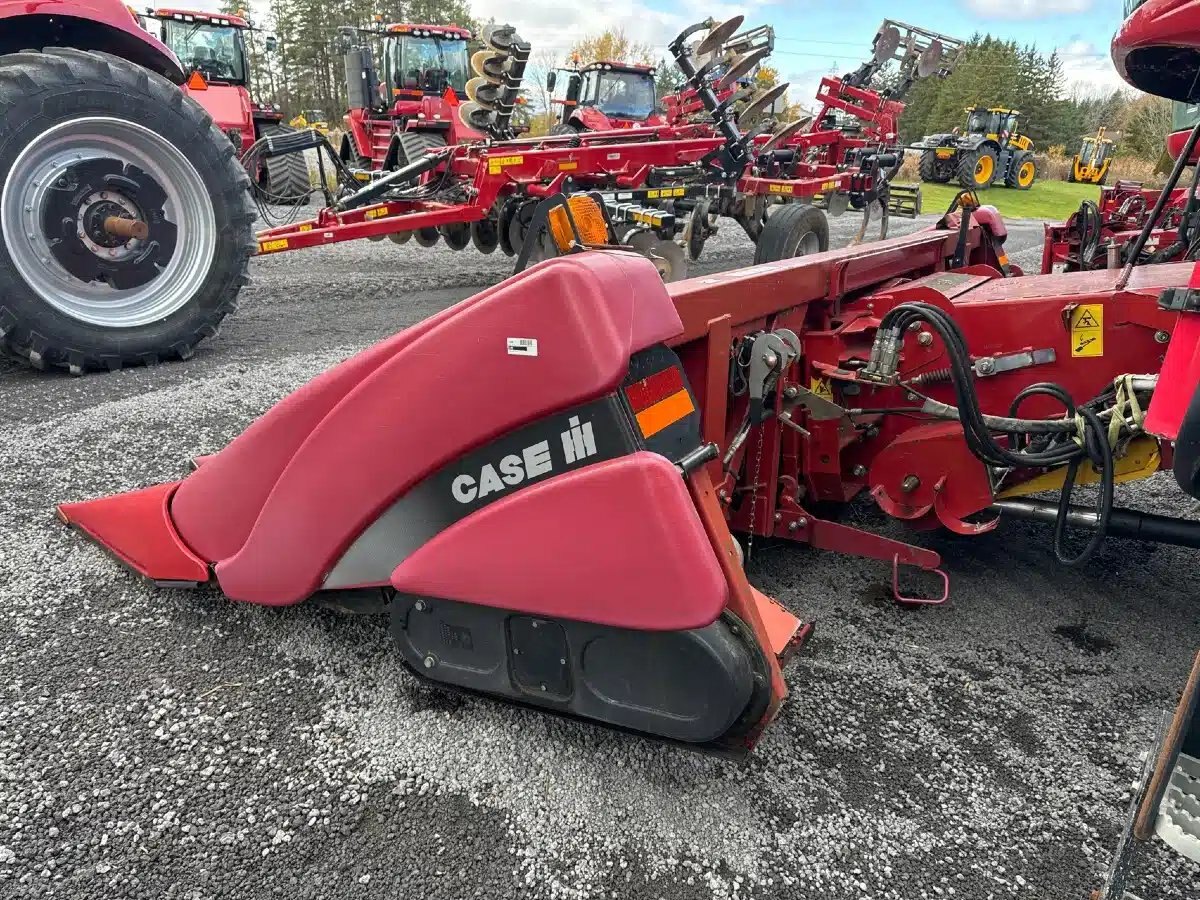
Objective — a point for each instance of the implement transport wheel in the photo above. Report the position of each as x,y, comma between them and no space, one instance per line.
125,215
977,168
1022,173
283,180
795,229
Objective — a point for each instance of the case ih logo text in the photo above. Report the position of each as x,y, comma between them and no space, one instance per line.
578,443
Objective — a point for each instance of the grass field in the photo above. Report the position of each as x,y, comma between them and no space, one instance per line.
1053,200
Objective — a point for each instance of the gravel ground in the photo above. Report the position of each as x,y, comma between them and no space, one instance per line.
158,744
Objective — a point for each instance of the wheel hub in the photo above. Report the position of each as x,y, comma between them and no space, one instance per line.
75,212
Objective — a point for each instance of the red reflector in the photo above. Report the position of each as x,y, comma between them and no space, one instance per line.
645,393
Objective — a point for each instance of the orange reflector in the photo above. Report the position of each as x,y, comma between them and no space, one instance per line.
450,97
197,82
660,400
588,219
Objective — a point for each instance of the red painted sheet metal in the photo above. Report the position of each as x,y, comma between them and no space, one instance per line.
618,543
1178,379
454,387
136,528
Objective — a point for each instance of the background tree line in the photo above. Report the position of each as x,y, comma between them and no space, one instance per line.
994,72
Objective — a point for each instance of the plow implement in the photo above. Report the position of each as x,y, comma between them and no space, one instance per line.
700,168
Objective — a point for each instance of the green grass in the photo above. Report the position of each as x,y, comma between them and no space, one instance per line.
1049,200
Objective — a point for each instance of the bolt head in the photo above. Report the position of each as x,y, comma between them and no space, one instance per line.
987,365
430,662
802,522
792,526
770,359
924,338
1162,337
778,517
791,391
872,431
419,606
860,470
910,396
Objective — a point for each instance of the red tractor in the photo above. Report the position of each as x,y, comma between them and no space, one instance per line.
124,215
606,95
212,49
411,106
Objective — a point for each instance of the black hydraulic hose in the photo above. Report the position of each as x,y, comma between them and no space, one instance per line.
1159,204
1100,452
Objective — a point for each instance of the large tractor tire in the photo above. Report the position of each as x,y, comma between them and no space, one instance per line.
927,168
88,140
795,229
283,180
1022,172
563,128
977,168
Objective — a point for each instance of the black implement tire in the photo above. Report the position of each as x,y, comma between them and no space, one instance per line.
1071,174
977,168
1022,171
179,284
283,180
795,229
928,166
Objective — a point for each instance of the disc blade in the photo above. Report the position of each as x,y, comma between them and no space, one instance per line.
670,260
741,66
784,133
500,37
719,35
886,43
764,100
475,116
931,60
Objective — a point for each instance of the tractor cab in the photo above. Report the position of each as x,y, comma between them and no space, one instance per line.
604,95
995,124
208,44
424,61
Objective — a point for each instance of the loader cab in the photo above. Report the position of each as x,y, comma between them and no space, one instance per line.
424,61
210,44
995,124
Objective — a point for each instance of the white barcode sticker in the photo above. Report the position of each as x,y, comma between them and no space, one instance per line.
522,346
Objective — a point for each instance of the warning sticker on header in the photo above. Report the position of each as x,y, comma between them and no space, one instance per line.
1087,330
522,347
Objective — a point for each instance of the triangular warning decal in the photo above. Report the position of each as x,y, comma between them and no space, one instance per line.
1087,320
196,82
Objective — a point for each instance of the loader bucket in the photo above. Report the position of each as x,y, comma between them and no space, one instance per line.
520,481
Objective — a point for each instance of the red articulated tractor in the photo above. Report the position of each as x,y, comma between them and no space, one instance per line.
125,217
606,95
410,106
212,50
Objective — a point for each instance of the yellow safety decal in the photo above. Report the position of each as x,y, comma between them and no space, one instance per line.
653,195
495,166
943,154
829,186
780,188
378,213
568,166
305,227
677,192
821,387
1087,330
272,246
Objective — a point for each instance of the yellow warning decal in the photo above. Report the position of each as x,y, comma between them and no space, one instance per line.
1087,330
829,186
568,166
495,166
665,192
305,227
377,213
272,246
821,387
780,188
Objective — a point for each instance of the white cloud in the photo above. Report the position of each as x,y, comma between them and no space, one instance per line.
1088,69
1027,9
